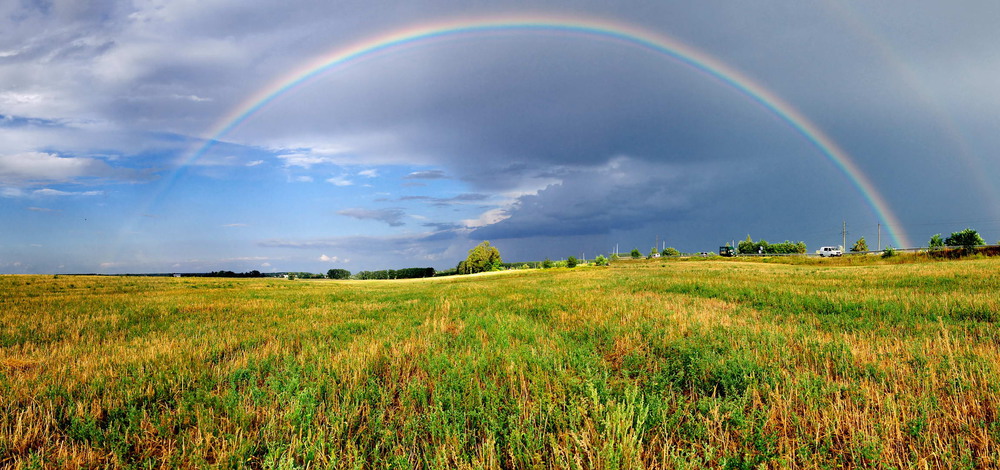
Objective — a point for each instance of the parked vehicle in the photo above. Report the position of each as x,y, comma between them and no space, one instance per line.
727,251
830,251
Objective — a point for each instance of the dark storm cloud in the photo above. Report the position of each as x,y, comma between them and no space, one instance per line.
622,195
561,103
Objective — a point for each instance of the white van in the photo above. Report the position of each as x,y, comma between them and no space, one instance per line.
830,251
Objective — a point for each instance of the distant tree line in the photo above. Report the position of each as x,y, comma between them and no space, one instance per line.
254,273
304,275
406,273
485,257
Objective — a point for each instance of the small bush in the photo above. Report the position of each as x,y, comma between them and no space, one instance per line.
860,245
966,238
936,242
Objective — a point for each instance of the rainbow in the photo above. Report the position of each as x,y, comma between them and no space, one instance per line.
628,35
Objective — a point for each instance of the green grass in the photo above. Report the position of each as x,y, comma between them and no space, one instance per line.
719,363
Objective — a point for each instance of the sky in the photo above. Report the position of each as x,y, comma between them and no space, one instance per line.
202,135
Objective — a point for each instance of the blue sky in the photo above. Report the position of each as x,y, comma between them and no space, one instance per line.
545,144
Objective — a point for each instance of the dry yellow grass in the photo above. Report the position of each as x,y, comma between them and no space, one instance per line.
651,365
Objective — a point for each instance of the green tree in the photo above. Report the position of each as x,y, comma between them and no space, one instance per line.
967,238
860,245
670,251
936,242
636,254
482,258
749,246
338,274
600,261
571,262
546,264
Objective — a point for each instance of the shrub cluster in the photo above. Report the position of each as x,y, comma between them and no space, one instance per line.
968,239
762,246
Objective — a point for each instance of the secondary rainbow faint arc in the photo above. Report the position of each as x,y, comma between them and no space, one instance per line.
599,29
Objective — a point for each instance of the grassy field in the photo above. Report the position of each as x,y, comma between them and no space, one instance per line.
648,364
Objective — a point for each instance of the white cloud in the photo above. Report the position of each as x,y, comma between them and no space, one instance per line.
307,160
235,225
303,179
10,97
365,148
339,181
373,173
34,167
194,98
57,193
333,259
489,217
255,163
11,192
10,53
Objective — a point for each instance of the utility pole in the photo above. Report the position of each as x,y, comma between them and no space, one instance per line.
844,233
